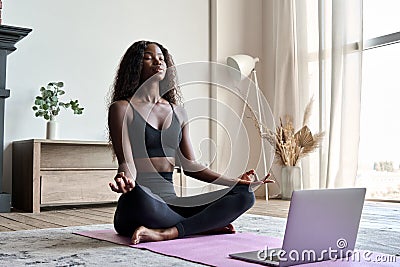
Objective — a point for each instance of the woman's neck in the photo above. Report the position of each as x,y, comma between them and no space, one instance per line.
149,93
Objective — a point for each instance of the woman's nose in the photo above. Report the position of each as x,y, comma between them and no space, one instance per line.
157,61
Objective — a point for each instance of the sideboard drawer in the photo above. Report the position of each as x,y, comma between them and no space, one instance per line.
56,155
72,187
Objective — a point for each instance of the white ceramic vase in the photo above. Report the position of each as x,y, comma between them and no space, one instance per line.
52,129
291,180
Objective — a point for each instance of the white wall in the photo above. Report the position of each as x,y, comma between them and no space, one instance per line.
268,72
81,43
268,52
237,29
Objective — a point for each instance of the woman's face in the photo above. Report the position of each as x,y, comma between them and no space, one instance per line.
153,63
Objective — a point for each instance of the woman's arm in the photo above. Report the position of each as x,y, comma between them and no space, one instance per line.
117,123
200,172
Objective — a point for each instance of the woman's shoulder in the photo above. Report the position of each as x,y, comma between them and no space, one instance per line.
180,112
118,107
119,104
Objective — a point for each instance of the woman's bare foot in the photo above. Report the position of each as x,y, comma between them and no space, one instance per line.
229,229
143,234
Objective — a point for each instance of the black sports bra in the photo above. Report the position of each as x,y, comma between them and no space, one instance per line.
148,142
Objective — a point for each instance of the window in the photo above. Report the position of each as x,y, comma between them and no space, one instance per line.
379,155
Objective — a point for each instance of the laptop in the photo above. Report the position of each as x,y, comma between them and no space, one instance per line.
321,225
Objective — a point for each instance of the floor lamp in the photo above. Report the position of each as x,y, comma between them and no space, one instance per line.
245,66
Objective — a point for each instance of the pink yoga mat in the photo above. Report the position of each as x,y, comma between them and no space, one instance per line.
214,249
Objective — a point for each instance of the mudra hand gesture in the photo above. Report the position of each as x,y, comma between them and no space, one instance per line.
122,183
250,178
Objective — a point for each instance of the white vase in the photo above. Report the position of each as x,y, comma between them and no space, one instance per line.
291,180
52,129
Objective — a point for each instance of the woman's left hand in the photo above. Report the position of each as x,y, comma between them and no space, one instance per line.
250,178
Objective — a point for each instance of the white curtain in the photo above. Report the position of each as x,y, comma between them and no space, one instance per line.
316,54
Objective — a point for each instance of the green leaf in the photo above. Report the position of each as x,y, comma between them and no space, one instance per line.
35,108
60,84
47,117
45,106
42,89
55,99
61,92
46,94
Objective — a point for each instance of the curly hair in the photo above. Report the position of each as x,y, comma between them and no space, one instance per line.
127,78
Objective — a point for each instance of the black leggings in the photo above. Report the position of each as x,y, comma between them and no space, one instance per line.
141,207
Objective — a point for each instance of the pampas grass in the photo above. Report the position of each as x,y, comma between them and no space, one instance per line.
290,146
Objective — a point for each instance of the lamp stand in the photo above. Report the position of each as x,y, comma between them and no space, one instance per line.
261,130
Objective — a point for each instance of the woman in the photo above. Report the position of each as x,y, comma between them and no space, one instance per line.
148,129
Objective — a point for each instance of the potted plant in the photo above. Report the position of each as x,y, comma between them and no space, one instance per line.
47,105
290,147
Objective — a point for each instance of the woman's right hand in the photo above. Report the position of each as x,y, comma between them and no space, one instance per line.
122,183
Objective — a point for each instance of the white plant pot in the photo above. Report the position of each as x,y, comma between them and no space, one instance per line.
52,130
291,180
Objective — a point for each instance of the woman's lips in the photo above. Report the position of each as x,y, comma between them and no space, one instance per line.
158,69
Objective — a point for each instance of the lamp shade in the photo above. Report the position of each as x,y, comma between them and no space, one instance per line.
242,63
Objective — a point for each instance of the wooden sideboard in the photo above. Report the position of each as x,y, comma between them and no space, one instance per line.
61,172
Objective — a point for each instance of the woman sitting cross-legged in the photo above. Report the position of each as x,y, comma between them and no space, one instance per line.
149,133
